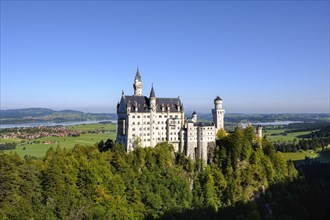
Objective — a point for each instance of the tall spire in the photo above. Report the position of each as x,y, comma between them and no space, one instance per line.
137,83
152,92
137,75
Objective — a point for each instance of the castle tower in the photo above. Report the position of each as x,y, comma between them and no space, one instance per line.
218,114
152,106
259,132
152,98
194,117
137,84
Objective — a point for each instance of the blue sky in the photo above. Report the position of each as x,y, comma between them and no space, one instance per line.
259,56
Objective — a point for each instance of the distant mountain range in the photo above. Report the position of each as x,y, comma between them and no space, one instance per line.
32,115
41,115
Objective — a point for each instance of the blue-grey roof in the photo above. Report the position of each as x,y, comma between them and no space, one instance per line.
152,92
137,75
217,98
143,103
203,124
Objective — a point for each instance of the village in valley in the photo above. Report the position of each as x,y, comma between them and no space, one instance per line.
31,133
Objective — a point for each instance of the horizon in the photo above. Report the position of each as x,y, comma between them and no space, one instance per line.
187,112
259,57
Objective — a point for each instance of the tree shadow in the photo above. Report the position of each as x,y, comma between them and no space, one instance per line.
239,211
306,197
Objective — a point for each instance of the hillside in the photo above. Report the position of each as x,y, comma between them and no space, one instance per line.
36,115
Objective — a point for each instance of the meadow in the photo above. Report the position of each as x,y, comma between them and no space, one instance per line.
90,135
94,133
300,155
278,134
275,135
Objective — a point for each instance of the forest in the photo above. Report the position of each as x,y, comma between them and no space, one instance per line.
244,179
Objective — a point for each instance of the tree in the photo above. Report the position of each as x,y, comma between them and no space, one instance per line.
221,133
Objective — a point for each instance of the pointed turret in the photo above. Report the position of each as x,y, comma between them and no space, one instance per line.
152,92
137,83
152,98
137,75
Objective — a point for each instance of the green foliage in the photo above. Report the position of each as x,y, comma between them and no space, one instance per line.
221,133
105,182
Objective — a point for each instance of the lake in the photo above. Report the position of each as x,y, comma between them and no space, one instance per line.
276,123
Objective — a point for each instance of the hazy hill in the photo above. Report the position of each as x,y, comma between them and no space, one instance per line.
30,115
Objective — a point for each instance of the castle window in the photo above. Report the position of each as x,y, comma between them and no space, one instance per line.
148,116
133,123
138,116
160,116
133,116
133,129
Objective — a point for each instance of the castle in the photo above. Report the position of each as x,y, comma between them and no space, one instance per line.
145,121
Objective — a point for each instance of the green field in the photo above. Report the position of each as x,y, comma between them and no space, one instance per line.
11,140
300,155
93,127
39,149
284,138
322,156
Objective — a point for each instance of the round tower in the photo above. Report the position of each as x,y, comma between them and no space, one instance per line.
137,84
194,117
218,103
259,131
218,114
